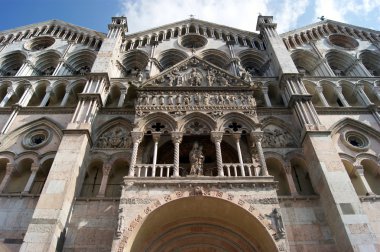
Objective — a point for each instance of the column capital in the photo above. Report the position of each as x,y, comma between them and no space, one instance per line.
10,168
156,136
257,136
10,90
34,167
217,136
177,136
236,136
359,169
106,169
137,136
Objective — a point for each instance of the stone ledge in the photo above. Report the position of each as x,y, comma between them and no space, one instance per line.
298,197
98,199
192,181
18,195
370,198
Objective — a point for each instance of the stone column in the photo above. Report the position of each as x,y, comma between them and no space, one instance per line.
46,98
257,136
338,92
322,98
289,177
216,137
6,98
362,95
177,139
267,101
136,138
34,168
8,173
123,93
360,173
156,138
106,169
65,98
236,136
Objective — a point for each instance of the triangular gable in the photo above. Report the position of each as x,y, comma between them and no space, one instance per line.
194,72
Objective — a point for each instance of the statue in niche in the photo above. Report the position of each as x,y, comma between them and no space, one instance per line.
170,100
195,78
186,100
162,100
196,160
115,138
206,99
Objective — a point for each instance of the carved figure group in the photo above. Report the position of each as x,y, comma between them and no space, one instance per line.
115,138
196,99
275,137
195,78
196,160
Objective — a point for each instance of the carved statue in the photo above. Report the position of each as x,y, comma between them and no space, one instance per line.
186,100
162,100
278,223
196,160
120,223
195,78
170,100
210,77
206,99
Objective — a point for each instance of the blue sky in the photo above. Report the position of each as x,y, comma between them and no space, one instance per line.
143,14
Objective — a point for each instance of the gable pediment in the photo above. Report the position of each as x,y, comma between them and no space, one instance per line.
195,72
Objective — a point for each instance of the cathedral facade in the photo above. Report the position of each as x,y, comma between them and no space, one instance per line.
191,137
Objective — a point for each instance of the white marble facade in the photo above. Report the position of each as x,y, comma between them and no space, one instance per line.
192,136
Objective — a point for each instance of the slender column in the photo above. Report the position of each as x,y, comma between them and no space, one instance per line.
176,139
236,136
46,97
6,98
338,91
362,95
34,168
257,136
123,93
106,169
8,173
217,137
289,177
360,172
136,138
65,98
266,97
322,98
156,138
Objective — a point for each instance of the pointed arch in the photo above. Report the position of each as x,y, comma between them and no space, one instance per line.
336,127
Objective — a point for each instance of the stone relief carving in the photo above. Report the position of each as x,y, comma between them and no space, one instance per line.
274,137
120,223
196,73
116,137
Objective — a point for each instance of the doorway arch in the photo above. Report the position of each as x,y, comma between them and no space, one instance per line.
200,223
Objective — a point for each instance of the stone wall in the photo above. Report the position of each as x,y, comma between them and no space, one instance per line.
372,210
91,226
15,215
306,226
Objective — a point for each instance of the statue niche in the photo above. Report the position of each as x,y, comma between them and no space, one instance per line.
115,138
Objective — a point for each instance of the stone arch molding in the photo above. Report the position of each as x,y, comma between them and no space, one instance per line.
52,127
129,231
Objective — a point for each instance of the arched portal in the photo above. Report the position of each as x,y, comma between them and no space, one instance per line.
199,223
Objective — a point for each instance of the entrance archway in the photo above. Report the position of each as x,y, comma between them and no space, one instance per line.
199,224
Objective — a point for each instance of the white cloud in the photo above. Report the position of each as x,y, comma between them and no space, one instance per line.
345,10
242,14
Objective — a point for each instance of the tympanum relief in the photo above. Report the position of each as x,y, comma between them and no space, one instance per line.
116,137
